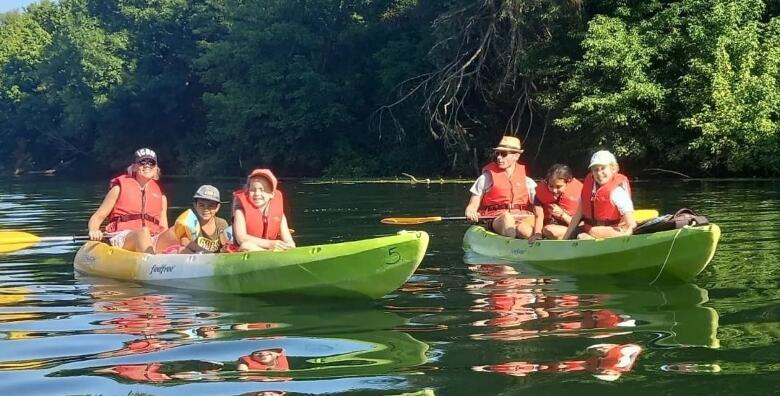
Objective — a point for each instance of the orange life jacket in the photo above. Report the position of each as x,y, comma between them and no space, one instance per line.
258,224
597,207
254,365
142,372
568,200
136,207
506,193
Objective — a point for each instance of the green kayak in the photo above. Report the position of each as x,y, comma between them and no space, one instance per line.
677,254
368,268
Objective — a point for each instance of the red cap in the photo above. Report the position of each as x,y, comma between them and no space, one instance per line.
266,173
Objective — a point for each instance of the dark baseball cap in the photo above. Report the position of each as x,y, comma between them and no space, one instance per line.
207,192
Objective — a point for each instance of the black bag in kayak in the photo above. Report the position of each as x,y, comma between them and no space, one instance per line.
681,218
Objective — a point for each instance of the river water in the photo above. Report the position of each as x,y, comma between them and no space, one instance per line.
453,329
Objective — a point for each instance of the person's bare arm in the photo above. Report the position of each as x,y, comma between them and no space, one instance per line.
101,213
164,213
575,221
472,208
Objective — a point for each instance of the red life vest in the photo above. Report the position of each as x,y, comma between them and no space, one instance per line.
261,225
597,207
568,200
142,372
136,207
506,193
616,359
255,365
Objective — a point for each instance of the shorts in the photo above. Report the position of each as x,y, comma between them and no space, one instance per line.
118,239
527,220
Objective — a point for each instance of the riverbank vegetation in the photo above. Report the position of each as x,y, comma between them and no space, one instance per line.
376,88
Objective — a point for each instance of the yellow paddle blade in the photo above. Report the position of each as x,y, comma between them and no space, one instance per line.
16,240
410,220
643,215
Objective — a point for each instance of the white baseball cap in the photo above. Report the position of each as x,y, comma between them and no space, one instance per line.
602,157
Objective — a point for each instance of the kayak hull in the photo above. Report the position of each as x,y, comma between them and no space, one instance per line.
368,268
679,254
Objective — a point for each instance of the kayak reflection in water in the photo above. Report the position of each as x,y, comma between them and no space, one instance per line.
606,362
165,372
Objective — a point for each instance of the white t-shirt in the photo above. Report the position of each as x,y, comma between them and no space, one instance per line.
621,200
485,181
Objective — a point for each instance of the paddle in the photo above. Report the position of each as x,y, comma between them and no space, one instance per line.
17,240
640,216
433,219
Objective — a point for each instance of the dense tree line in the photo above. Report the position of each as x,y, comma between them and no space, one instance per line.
378,87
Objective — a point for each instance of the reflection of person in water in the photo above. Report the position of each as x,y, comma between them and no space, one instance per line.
273,359
164,372
606,362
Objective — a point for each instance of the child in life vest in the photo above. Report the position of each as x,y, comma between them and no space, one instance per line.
259,222
606,208
556,202
503,194
198,230
135,207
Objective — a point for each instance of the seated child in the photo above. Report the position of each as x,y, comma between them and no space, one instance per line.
198,230
259,222
605,203
556,202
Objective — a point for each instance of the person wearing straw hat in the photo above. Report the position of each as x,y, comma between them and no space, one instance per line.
605,208
503,193
198,229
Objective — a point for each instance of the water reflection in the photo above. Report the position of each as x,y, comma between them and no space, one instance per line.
223,341
522,308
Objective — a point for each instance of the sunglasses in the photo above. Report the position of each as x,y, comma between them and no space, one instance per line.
147,162
503,153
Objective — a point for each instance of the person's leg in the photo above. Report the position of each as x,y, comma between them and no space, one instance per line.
606,232
165,240
139,241
554,231
525,227
505,225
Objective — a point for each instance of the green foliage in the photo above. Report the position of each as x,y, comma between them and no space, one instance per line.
379,87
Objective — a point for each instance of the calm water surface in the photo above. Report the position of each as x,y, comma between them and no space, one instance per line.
453,329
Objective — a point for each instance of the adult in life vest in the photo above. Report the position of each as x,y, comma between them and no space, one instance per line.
556,202
198,229
135,207
259,222
606,208
503,191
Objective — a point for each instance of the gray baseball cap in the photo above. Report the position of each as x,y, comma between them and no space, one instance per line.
207,192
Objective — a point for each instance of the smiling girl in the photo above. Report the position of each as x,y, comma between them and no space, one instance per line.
259,222
605,203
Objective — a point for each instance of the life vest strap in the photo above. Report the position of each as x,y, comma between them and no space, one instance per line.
596,223
491,208
133,217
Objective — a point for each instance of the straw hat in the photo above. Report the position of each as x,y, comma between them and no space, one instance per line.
509,143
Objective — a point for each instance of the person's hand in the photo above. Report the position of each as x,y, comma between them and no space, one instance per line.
472,215
535,237
282,245
556,211
95,235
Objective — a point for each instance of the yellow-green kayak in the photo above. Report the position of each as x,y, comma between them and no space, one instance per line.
676,254
367,268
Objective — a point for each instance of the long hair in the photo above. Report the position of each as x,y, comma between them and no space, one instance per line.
133,169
